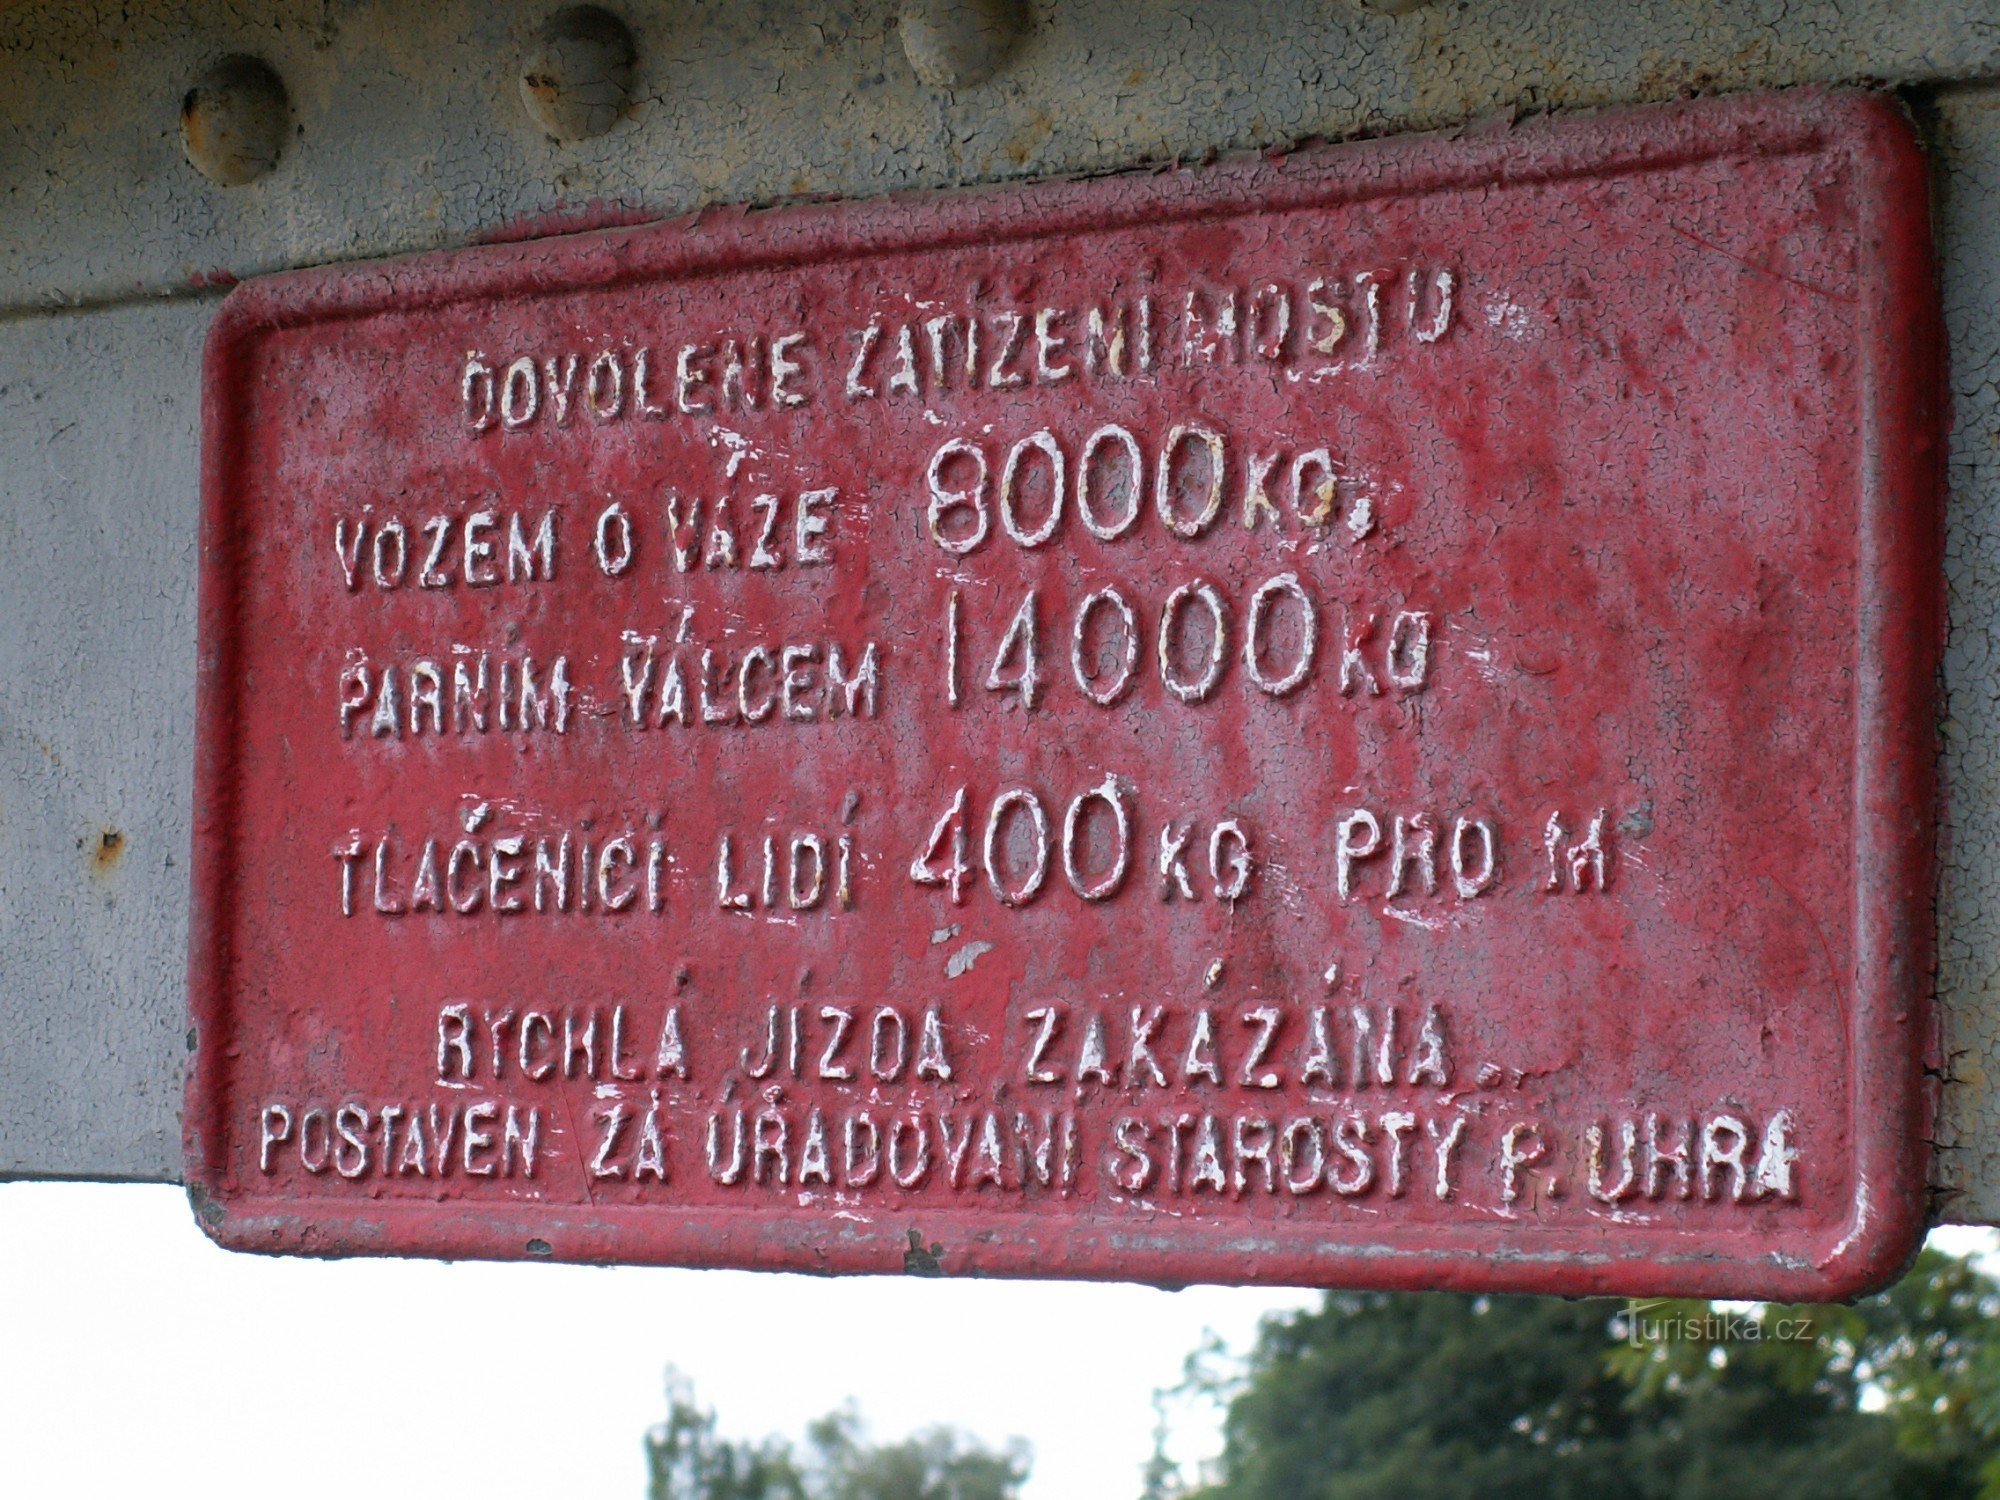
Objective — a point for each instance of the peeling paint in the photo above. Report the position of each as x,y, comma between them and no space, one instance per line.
962,961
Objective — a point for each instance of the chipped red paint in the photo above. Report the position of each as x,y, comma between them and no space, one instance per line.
1627,518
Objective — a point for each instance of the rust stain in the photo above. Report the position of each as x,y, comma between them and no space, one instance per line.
1030,139
105,851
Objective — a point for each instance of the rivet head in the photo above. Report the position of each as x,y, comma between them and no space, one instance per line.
953,44
233,121
577,77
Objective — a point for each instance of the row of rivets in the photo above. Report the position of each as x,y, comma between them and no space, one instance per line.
576,80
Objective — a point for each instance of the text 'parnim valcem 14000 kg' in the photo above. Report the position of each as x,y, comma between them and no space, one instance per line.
1363,718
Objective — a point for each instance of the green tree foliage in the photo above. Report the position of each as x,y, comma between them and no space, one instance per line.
687,1460
1374,1396
936,1464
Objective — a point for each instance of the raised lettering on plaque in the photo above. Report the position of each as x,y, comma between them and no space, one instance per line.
1358,718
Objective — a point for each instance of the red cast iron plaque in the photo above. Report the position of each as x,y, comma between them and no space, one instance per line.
1358,718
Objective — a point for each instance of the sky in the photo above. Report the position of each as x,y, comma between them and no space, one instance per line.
133,1352
135,1358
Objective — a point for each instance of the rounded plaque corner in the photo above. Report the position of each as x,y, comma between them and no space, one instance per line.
1876,1249
1865,113
205,1196
243,314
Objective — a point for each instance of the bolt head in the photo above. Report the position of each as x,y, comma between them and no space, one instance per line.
233,121
953,44
576,80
